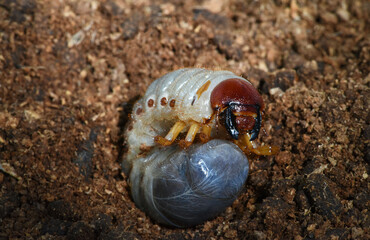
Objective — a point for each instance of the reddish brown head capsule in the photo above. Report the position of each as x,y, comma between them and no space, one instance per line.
239,106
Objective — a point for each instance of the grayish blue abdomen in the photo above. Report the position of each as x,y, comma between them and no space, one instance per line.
184,188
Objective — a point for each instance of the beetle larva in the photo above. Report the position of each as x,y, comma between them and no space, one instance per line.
212,104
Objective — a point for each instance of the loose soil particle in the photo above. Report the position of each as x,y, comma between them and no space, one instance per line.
68,68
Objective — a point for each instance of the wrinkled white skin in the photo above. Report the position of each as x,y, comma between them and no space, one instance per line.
183,188
182,86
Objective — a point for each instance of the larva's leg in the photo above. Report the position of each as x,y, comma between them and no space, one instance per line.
265,150
171,135
193,130
205,134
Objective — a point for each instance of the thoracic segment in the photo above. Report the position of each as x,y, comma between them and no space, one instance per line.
180,101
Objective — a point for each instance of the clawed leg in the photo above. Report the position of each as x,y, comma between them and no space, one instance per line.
193,130
247,146
171,135
205,133
190,136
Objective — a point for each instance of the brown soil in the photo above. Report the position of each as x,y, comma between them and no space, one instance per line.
68,68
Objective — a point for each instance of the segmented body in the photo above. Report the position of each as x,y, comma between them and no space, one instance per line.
187,183
182,95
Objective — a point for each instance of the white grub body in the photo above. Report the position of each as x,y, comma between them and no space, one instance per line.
151,120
